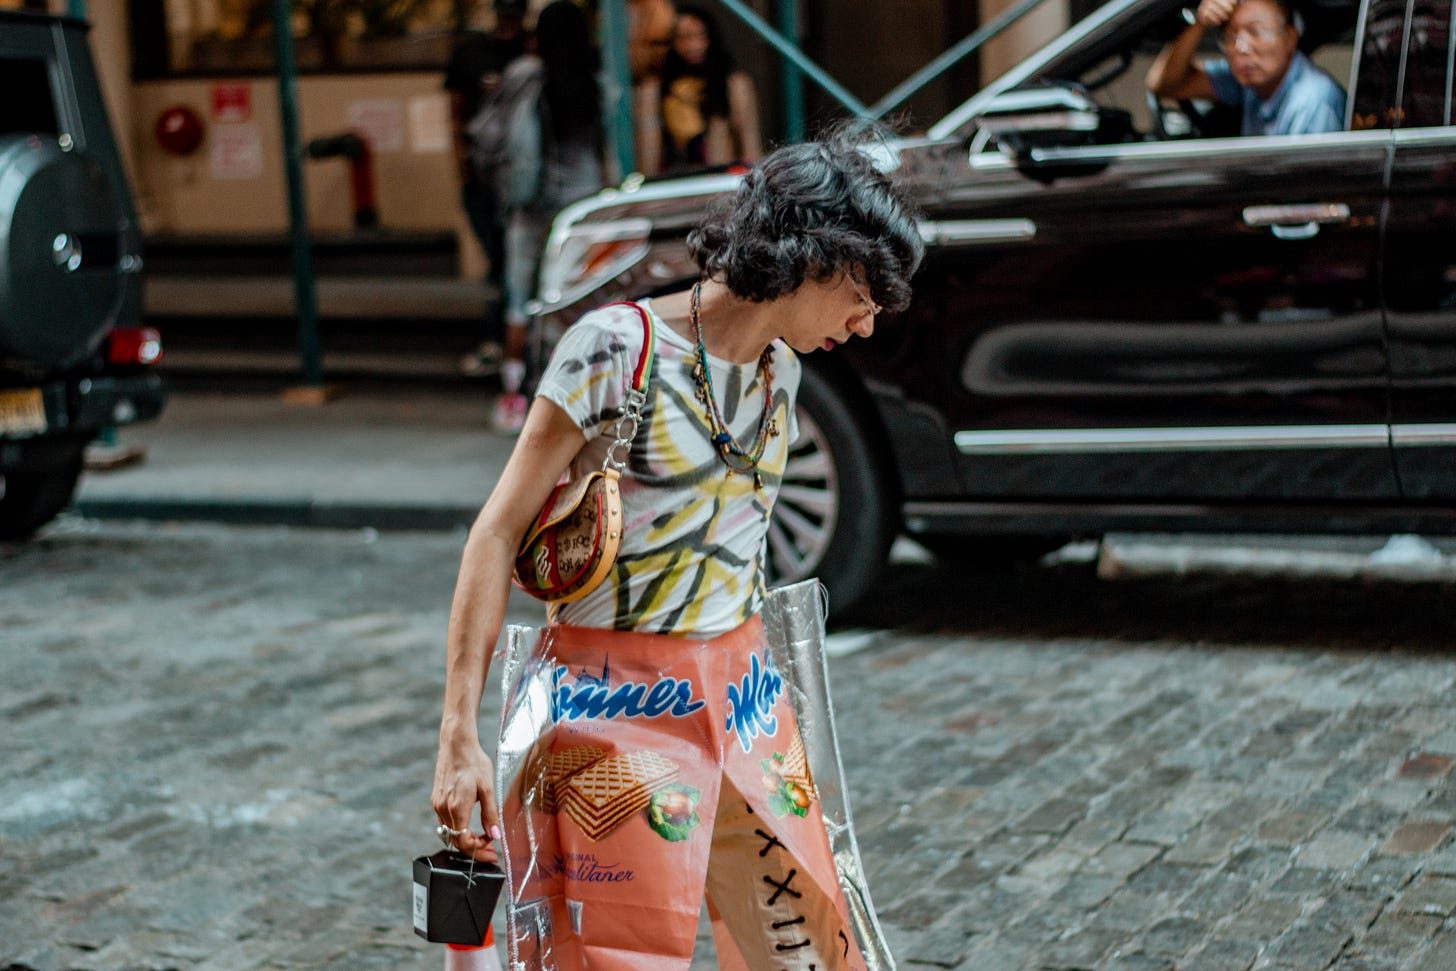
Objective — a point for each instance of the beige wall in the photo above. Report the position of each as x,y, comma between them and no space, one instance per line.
416,187
1023,38
213,191
110,49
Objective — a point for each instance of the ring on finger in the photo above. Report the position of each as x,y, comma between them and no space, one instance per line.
448,835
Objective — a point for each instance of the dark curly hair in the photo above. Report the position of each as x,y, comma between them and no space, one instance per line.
810,212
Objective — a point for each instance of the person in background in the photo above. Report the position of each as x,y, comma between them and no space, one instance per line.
477,66
650,25
1265,74
556,158
649,34
707,111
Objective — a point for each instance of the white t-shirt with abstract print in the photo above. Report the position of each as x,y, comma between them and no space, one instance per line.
692,557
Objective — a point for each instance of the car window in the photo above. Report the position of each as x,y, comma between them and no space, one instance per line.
1426,94
1374,104
28,106
1116,73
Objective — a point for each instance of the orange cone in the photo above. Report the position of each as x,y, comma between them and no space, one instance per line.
463,957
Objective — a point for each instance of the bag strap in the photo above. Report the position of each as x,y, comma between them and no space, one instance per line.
631,418
649,345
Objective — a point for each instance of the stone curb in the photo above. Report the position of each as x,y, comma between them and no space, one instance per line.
282,512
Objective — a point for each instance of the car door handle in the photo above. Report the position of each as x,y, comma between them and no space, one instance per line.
1296,222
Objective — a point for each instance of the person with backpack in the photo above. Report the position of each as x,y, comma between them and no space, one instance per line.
473,79
542,143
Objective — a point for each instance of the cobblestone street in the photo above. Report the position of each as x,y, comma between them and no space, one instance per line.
219,743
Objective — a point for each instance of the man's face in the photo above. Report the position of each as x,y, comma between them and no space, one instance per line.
1259,43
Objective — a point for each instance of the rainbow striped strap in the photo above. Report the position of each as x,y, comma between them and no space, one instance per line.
643,371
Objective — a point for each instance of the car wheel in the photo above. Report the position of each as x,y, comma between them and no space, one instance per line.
29,500
835,514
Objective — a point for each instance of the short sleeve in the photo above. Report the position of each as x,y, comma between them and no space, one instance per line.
1225,88
591,369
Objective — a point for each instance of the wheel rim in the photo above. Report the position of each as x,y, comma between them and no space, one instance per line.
807,507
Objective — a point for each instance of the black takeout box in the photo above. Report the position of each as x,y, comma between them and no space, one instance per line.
454,897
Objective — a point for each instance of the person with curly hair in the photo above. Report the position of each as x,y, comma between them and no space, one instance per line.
691,778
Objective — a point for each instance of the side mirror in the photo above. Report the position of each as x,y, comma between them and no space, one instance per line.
1050,116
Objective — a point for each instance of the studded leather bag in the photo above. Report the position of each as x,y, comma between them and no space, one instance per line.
571,546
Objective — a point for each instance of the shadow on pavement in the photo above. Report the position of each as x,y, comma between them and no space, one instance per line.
1071,601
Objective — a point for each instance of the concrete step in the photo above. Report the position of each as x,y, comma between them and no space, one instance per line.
405,298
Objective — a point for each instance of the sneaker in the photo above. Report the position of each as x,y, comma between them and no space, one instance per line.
482,362
508,414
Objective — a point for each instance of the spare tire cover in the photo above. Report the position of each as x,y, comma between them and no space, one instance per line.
60,236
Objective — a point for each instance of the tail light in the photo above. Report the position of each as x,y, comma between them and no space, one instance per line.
581,257
134,345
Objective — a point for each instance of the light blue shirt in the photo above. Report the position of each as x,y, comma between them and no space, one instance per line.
1307,101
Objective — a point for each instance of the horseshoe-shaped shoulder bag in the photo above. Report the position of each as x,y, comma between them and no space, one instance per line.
572,544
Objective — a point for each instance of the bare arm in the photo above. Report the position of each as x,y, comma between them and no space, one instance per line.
743,114
1175,74
647,123
464,774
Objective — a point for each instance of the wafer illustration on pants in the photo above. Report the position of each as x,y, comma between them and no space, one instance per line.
600,797
546,775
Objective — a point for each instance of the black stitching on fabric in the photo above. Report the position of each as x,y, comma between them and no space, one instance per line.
846,943
791,947
779,925
783,888
772,841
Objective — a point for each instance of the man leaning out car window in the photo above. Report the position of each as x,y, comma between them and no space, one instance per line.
1263,72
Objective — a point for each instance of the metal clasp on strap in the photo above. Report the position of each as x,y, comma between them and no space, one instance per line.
625,430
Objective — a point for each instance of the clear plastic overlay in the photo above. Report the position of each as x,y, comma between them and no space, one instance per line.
794,623
639,772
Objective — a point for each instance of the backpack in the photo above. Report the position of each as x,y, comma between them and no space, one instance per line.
506,140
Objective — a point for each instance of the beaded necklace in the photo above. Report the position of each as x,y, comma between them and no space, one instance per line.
738,459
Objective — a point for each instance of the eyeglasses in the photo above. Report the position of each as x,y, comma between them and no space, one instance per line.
870,305
1256,35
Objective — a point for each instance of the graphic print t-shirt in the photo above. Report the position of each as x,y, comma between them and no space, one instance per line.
692,556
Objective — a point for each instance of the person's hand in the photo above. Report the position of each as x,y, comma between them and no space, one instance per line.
463,777
1215,13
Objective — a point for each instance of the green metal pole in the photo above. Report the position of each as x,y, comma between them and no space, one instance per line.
617,92
790,50
303,280
793,78
951,57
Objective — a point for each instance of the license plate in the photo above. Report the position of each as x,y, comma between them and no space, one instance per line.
22,412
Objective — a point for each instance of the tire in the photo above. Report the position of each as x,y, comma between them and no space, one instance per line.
32,499
836,513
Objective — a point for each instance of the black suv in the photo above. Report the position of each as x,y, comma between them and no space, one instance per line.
74,358
1128,319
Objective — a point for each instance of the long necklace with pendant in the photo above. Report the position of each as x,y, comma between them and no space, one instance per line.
738,459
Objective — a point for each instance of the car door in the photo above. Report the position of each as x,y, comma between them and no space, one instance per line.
1192,320
1421,265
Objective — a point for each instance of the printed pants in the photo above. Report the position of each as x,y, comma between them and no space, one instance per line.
645,772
